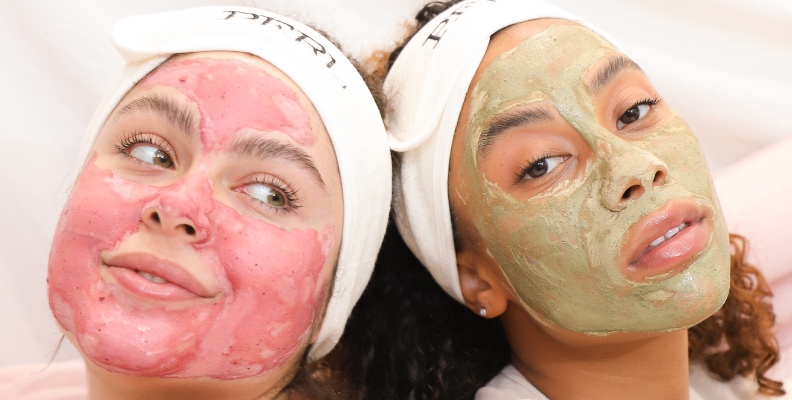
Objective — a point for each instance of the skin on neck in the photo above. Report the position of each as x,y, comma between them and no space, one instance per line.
553,256
569,365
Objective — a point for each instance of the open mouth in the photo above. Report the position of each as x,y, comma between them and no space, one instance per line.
668,240
666,236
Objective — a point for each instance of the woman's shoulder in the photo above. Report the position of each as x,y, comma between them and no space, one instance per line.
57,381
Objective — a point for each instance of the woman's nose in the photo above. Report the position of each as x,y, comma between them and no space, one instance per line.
181,211
631,173
170,224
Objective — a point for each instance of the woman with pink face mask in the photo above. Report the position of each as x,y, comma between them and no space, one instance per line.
233,195
569,216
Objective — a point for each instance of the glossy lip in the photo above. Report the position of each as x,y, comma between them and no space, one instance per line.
181,284
673,255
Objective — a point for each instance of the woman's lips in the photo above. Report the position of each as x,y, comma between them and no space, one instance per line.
150,277
663,241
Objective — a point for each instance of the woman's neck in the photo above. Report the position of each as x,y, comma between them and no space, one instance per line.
103,384
567,365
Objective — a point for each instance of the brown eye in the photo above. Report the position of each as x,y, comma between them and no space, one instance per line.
539,168
152,155
635,113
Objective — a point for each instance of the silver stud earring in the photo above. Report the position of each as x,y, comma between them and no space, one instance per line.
483,312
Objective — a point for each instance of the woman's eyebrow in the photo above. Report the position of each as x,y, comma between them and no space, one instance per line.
512,119
269,148
614,66
177,114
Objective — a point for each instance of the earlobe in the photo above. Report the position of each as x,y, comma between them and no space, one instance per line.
481,284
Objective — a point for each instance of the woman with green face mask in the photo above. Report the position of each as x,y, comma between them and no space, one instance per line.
543,182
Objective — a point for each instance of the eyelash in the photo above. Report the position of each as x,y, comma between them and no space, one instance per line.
649,101
131,139
292,199
527,167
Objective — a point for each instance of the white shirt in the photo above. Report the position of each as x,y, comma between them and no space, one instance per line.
510,384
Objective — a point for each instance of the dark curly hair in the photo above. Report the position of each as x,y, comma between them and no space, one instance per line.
407,339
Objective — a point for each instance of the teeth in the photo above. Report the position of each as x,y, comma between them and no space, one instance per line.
153,278
657,241
668,235
671,232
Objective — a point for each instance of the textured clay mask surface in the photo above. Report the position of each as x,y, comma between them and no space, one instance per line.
561,249
246,292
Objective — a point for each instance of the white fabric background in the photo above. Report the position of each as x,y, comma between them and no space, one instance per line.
724,65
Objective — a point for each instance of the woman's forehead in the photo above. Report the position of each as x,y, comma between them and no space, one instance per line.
241,87
251,59
507,41
518,32
546,55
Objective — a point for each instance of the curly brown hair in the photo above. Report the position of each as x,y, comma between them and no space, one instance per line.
447,355
738,339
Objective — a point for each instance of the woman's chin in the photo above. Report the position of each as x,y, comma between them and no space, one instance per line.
658,309
119,357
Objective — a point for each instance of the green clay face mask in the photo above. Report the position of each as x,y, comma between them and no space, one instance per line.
585,253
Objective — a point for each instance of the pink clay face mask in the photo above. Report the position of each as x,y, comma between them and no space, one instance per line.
198,269
577,252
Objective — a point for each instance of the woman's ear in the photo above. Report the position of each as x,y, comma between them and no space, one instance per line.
482,283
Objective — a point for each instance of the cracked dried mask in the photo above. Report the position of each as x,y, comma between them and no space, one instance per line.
591,196
200,238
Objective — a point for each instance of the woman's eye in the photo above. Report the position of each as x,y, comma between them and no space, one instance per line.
266,195
147,148
152,155
274,193
541,167
635,113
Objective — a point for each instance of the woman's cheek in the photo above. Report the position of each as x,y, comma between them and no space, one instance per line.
279,291
101,211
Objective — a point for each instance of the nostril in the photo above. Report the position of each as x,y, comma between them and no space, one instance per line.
659,178
188,229
155,217
631,191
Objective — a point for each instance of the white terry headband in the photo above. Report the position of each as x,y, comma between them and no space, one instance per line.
426,87
336,90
